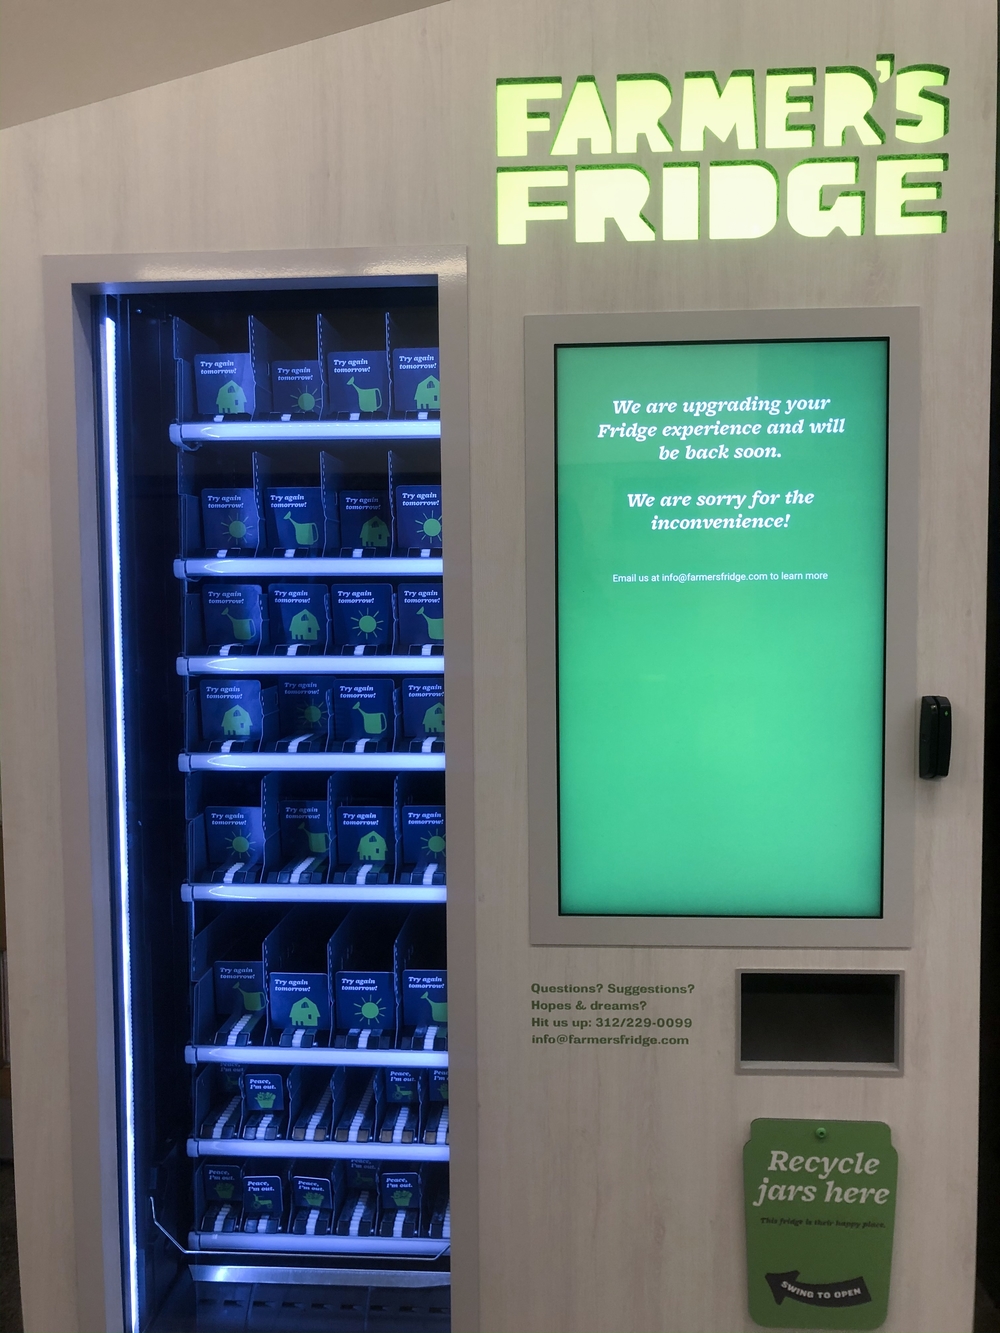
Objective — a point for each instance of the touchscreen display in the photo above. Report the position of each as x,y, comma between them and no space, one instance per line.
721,551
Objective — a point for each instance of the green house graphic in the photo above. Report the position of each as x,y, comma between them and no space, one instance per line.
304,1013
371,847
434,719
236,721
304,627
231,399
428,394
374,533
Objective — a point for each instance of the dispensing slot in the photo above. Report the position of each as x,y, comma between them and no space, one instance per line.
820,1022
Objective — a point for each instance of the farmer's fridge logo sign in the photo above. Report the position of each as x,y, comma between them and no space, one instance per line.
727,157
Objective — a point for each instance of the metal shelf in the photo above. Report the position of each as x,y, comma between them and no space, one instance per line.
327,761
282,1275
247,664
275,567
313,893
253,1242
321,1056
382,1152
240,432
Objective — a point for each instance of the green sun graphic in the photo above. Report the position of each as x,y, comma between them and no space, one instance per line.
239,846
311,715
369,1012
368,624
236,529
430,526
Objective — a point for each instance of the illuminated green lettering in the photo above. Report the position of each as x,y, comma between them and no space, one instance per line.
680,201
707,108
640,102
894,194
618,193
849,95
928,118
514,121
808,215
515,208
584,118
742,200
778,105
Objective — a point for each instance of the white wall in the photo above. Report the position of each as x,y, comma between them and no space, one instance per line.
610,1180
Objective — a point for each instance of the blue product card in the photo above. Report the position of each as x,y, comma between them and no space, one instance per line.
298,613
362,614
416,382
299,999
423,833
239,987
234,833
311,1192
418,517
421,614
223,1183
365,833
400,1189
302,705
230,710
363,709
303,828
232,614
423,706
365,1000
437,1085
263,1092
262,1196
402,1087
229,518
364,520
294,517
224,384
359,382
296,386
362,1175
425,996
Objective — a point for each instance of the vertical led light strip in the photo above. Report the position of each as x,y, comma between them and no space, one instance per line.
109,380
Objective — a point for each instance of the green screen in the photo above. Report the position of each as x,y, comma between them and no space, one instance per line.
721,627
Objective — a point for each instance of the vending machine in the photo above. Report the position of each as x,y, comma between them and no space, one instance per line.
273,625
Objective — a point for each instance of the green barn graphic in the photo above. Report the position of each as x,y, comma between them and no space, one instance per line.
304,627
371,847
374,532
434,719
236,721
231,399
428,395
304,1013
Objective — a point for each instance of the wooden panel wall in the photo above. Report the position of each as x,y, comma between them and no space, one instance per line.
609,1179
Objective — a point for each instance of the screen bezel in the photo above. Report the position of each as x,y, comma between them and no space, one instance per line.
543,334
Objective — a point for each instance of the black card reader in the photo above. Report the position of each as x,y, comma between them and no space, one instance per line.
935,736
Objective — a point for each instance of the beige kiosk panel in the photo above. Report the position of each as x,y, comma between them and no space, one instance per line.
608,1180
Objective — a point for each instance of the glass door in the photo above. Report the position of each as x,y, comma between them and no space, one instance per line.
275,656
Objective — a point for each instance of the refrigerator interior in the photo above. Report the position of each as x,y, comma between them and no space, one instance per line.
274,664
